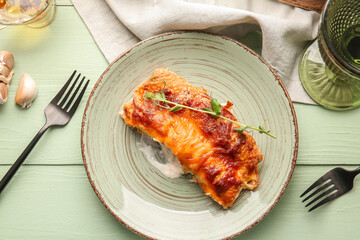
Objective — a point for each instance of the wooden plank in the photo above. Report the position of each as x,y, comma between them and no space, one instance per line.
329,142
49,55
57,202
290,220
328,137
64,3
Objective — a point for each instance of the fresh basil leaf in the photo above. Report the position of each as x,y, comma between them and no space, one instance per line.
211,112
159,97
163,95
175,108
149,95
216,107
208,109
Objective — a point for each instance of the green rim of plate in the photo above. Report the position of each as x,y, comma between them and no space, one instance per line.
135,192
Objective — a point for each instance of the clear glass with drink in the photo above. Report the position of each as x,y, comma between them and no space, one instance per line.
33,13
330,66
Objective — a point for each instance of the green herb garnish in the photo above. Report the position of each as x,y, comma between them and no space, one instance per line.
214,111
240,130
175,109
216,107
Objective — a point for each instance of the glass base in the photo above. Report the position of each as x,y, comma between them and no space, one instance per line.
45,18
323,86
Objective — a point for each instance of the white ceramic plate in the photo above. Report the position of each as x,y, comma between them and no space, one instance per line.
136,193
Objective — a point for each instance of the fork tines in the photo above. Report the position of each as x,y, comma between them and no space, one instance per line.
62,100
321,192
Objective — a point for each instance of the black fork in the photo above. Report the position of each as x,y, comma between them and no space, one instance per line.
58,113
331,185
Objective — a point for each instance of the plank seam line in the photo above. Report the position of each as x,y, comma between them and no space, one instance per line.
327,164
80,164
45,165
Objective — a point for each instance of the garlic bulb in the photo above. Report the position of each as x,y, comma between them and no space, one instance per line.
26,91
6,73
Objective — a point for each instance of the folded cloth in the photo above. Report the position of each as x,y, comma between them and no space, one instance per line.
116,25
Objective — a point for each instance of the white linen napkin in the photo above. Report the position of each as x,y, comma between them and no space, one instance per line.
116,25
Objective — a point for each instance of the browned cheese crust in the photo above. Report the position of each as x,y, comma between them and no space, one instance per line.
222,161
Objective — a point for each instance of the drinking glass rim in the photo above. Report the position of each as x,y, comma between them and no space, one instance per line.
329,42
34,17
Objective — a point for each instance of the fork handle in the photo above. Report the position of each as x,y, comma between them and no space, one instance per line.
356,171
11,172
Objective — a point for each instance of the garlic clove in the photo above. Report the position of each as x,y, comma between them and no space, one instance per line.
4,88
6,64
7,76
4,70
26,91
7,59
6,73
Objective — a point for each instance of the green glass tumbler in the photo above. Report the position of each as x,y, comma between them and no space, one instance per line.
330,66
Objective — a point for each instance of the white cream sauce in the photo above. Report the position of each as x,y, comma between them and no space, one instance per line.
160,156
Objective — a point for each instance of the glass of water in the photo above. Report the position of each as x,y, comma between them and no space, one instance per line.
33,13
330,66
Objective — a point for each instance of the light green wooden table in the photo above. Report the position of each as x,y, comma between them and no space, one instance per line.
51,198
